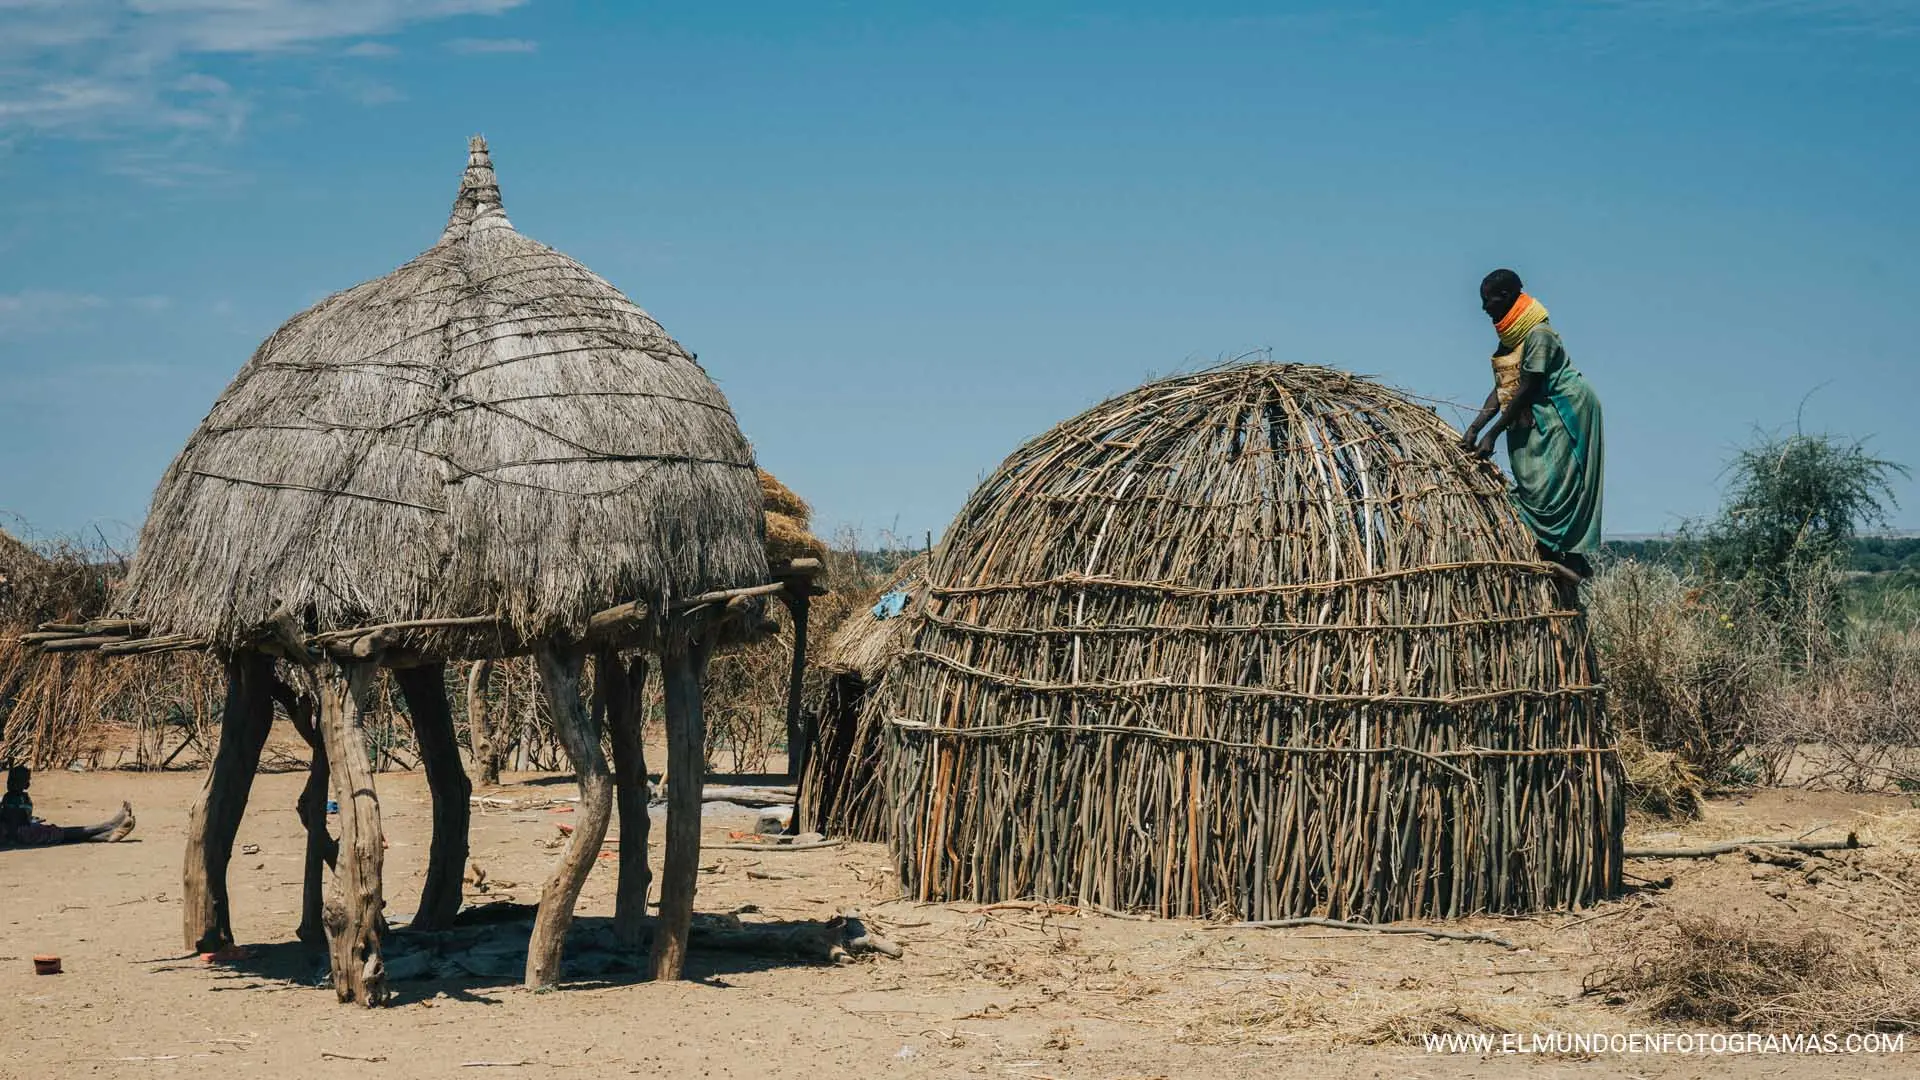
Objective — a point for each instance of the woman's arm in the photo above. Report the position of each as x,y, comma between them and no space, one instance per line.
1487,412
1524,396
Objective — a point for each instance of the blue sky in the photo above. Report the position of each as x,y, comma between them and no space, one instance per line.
905,238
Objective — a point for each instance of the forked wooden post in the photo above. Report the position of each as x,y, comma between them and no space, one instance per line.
683,664
354,918
425,689
206,917
322,851
623,688
480,725
560,679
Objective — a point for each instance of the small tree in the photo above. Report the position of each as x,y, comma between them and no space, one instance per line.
1793,506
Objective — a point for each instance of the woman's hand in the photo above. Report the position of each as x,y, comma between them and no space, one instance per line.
1468,438
1485,449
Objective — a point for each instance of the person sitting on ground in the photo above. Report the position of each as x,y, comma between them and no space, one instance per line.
19,827
1551,417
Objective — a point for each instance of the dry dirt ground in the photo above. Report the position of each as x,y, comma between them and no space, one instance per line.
996,993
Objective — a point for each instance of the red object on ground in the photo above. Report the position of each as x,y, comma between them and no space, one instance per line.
46,965
226,955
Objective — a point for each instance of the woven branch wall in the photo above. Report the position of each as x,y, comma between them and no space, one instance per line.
1262,641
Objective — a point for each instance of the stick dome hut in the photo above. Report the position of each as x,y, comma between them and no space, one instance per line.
841,794
488,452
1260,639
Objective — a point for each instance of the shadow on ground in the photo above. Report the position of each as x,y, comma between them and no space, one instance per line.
486,949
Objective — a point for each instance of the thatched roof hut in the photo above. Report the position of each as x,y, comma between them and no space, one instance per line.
489,451
491,428
841,794
1260,639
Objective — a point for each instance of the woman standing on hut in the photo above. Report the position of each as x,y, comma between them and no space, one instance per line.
1552,420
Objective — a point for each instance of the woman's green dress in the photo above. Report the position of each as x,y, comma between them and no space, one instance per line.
1557,462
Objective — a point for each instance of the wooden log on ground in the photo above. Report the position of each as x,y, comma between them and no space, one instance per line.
244,722
1729,847
623,686
425,690
757,798
354,918
560,679
480,725
684,665
1376,928
321,850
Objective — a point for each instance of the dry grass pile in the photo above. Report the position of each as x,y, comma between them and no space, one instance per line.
1710,971
1660,782
789,522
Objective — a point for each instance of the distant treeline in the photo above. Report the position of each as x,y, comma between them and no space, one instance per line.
1889,561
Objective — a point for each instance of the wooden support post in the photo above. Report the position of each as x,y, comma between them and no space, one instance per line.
560,679
322,851
482,730
799,740
683,665
354,918
425,690
623,687
215,820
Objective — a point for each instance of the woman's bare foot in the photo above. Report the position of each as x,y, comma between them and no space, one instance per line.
123,825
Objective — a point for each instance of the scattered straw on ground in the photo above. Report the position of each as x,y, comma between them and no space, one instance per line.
1704,970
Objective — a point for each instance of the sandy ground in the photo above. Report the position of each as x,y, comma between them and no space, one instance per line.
998,993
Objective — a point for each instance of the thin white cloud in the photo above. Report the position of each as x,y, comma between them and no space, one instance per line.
38,311
484,46
102,67
370,50
164,168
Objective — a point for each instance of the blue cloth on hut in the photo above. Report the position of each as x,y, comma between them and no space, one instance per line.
890,605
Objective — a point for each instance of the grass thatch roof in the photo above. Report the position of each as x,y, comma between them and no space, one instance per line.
1261,639
489,429
864,644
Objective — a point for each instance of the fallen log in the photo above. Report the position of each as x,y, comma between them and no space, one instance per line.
1731,847
1375,928
812,845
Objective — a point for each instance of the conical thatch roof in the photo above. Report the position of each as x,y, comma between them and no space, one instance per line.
489,429
1261,639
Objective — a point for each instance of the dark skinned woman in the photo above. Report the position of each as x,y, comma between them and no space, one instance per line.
1552,421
